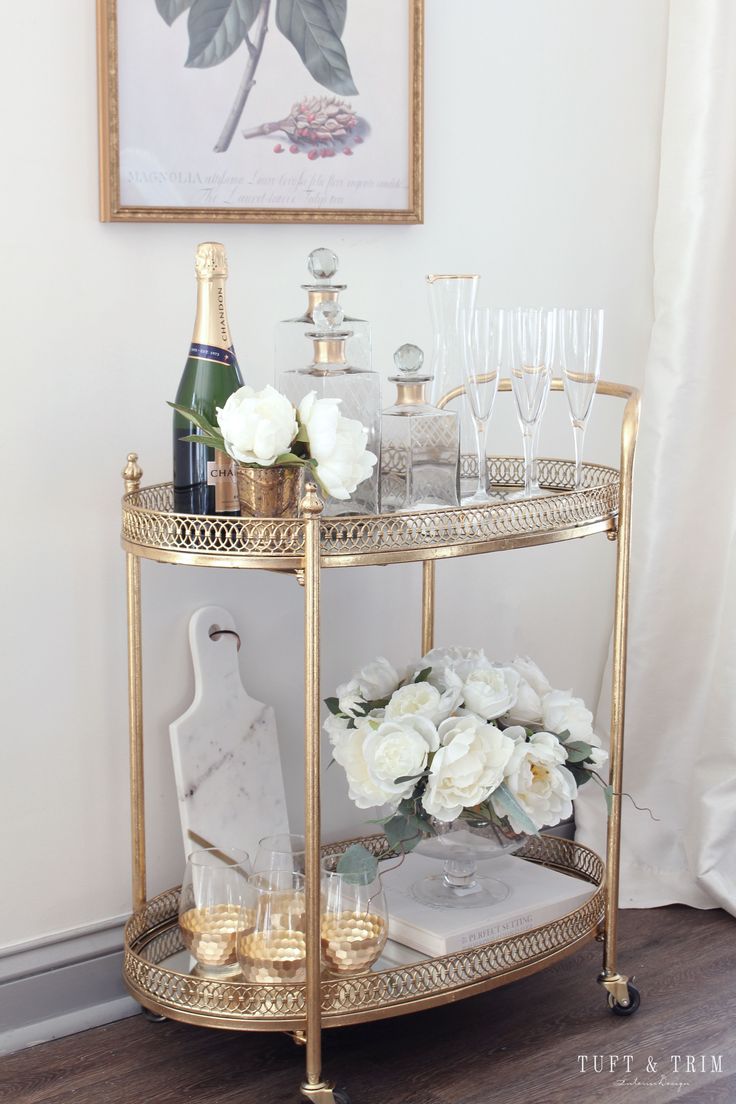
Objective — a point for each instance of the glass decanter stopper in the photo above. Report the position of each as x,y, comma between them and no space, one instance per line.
332,377
420,445
289,349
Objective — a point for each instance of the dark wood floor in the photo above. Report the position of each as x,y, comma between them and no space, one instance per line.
513,1045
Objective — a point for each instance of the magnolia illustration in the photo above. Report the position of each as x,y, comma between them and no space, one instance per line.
217,28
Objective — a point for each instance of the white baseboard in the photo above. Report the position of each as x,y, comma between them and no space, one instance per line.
62,984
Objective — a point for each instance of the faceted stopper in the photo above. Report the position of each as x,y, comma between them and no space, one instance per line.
328,315
210,260
322,264
408,360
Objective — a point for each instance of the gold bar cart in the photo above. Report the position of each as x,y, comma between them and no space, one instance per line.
155,966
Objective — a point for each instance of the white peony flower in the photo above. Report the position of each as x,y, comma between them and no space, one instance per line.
258,426
451,666
540,782
527,709
417,699
490,691
337,444
598,755
517,733
350,698
377,680
560,711
349,753
467,768
399,749
531,674
335,727
532,688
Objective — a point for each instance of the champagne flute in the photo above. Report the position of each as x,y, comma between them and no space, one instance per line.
484,328
580,348
532,341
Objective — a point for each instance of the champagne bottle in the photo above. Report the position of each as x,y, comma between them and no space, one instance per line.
204,478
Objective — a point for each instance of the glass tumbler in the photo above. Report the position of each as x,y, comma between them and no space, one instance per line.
354,924
275,950
214,906
282,852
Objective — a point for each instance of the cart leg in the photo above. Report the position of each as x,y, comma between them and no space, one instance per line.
313,1088
135,706
428,568
623,998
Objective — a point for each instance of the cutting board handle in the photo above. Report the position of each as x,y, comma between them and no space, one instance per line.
215,660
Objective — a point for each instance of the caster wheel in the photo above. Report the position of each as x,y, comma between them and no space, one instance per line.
625,1009
340,1096
153,1017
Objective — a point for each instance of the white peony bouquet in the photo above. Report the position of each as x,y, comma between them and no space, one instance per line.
461,736
264,429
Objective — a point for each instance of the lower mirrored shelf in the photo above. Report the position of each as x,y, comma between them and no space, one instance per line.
160,973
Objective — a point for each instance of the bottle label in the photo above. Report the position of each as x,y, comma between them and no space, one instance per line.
212,352
221,476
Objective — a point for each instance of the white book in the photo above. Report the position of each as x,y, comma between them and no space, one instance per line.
535,896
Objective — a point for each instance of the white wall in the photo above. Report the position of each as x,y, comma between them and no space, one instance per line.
541,163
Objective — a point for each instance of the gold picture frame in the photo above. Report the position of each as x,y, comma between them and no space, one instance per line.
115,207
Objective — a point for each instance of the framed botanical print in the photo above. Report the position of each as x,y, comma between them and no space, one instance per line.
260,110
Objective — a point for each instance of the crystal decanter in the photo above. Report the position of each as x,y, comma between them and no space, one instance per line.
331,376
420,445
289,349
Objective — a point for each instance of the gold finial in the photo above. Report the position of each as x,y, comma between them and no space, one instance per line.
132,473
311,505
210,260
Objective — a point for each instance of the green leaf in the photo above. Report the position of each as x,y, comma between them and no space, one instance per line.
578,751
561,736
411,777
204,439
311,26
197,418
503,797
216,29
404,832
357,865
423,675
333,704
580,774
288,459
169,10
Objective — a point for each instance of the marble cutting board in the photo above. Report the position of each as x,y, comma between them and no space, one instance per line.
225,749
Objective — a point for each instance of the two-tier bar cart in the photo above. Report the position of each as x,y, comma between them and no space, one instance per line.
156,968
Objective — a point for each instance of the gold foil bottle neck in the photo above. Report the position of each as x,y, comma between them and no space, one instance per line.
210,260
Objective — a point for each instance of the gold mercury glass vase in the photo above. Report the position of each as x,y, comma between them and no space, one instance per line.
269,492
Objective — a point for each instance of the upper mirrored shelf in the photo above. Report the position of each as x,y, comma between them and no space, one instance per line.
152,530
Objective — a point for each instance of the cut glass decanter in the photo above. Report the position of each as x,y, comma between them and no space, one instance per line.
331,376
289,341
420,444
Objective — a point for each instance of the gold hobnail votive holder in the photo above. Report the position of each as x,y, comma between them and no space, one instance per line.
268,958
275,949
269,492
354,920
210,934
352,941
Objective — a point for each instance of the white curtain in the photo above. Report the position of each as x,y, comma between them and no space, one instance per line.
680,757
